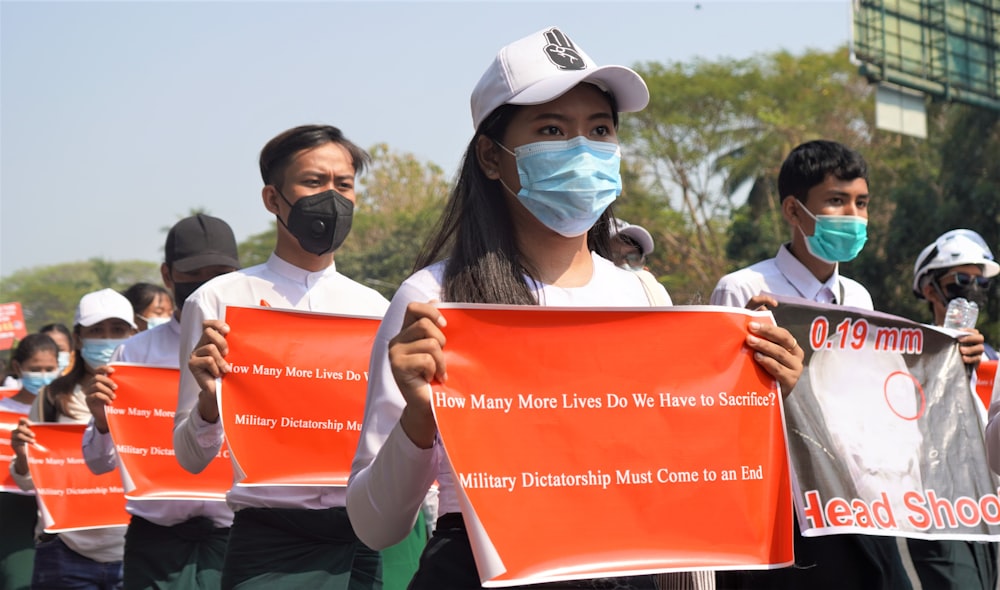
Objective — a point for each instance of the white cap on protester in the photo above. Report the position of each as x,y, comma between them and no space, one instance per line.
954,248
545,65
636,232
102,305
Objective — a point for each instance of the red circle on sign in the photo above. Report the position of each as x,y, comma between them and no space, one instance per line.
923,398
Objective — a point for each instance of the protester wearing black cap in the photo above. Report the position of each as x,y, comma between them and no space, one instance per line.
169,544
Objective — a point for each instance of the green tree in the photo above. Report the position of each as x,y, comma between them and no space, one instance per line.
716,130
399,201
50,293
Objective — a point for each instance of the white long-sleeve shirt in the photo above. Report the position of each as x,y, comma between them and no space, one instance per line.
390,475
277,284
157,346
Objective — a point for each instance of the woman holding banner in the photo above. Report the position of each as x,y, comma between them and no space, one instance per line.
35,363
90,558
526,224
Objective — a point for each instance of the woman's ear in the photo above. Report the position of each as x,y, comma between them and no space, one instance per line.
16,367
488,157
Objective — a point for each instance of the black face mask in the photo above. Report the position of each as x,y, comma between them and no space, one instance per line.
320,222
183,290
971,292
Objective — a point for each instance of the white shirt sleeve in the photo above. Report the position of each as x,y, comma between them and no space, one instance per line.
98,450
729,294
390,475
34,415
196,442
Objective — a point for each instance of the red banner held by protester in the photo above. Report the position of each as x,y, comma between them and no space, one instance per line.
593,443
141,422
293,401
986,374
8,422
70,497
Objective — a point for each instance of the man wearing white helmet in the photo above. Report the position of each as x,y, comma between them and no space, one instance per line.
957,264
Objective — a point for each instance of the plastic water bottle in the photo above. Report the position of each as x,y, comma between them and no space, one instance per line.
961,314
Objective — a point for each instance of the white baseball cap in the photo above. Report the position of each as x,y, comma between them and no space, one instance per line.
545,65
636,232
102,305
954,248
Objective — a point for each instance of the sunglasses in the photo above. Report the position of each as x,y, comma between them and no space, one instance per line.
964,279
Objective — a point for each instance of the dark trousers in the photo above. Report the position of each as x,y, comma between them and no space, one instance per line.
961,565
186,556
447,562
18,515
833,562
284,548
57,567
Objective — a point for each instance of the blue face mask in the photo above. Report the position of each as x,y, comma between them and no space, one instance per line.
34,381
836,238
155,321
567,185
97,351
64,360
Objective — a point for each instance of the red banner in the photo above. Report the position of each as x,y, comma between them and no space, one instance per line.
70,497
986,374
141,422
593,443
8,422
293,402
12,325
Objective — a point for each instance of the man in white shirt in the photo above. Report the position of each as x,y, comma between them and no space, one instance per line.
824,199
282,536
175,544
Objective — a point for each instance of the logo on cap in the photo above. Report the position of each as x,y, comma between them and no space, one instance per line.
562,52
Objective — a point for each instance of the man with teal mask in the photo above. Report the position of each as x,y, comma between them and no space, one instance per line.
824,199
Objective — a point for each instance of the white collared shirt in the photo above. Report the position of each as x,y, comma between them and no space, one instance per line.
279,284
785,275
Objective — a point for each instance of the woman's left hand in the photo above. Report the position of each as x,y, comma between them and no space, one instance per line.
776,350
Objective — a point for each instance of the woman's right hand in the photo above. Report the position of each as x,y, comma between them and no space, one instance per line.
416,357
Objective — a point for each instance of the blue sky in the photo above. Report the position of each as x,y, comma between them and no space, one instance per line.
117,118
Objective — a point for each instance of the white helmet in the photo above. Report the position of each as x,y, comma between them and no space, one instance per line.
954,248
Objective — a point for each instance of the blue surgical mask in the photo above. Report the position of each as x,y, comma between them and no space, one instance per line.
567,185
34,381
836,238
97,351
155,321
64,360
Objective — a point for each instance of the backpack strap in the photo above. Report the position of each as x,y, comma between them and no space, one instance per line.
653,288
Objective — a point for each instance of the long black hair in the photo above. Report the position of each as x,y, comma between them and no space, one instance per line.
476,234
56,396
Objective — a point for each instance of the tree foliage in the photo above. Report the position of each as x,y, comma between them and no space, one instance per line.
50,293
700,173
